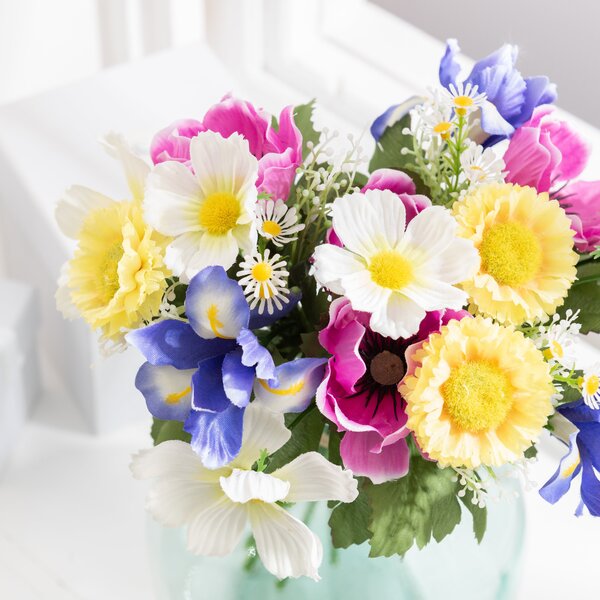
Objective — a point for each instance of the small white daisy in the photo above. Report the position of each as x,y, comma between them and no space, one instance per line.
264,280
481,166
558,341
277,222
463,99
434,118
590,386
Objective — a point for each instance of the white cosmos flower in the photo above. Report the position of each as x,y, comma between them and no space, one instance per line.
481,166
395,275
264,279
217,505
211,211
277,222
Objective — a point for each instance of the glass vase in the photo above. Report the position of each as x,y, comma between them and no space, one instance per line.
458,567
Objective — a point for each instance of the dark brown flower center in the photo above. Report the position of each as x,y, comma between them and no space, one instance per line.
387,368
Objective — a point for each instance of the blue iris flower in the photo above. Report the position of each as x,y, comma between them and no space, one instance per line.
203,372
583,457
511,97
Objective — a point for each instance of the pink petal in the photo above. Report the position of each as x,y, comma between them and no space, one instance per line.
276,173
390,179
581,201
173,142
526,158
364,455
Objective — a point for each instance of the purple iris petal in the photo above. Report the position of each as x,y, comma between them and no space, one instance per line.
590,485
557,486
166,391
214,422
175,343
258,321
392,115
254,355
237,379
449,66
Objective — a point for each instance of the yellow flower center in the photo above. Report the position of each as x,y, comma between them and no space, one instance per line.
262,271
271,228
389,269
462,104
219,213
510,253
109,271
555,350
591,385
477,396
443,128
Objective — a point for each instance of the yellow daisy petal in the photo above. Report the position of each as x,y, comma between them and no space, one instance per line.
479,395
525,243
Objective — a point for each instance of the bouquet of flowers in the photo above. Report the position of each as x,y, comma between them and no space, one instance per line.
390,337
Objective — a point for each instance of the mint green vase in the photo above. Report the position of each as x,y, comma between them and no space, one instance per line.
457,567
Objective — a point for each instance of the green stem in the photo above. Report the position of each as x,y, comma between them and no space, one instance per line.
588,279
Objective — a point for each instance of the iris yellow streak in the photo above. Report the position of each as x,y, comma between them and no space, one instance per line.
177,396
293,389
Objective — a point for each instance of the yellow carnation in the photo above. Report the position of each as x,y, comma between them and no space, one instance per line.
479,394
117,275
525,243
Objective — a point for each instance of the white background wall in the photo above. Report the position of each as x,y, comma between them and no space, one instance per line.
560,39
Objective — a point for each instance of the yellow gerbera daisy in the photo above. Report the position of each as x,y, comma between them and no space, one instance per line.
525,243
117,275
479,394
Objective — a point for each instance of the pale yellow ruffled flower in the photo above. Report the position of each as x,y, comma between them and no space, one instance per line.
525,243
478,394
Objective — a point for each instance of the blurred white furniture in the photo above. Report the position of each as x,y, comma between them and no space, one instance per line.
19,374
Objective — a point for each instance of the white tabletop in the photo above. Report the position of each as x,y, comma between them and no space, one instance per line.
72,524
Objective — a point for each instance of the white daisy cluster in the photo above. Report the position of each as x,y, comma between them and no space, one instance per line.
558,340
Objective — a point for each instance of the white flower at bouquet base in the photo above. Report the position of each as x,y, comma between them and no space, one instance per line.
217,505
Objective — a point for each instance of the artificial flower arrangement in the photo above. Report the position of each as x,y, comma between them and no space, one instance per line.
384,338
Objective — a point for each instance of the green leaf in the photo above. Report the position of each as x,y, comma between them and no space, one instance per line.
479,515
333,446
311,347
307,428
586,298
304,122
349,523
412,509
168,430
531,452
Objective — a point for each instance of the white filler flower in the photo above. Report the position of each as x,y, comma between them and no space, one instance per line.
277,222
397,275
481,166
211,211
216,505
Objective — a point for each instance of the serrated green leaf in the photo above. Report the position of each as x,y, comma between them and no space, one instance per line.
304,122
586,298
403,511
479,516
170,430
531,452
349,523
307,428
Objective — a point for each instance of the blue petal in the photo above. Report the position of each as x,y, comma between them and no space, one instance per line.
297,383
506,56
237,379
254,355
392,115
578,412
215,305
492,121
175,343
538,91
258,321
214,422
167,391
590,485
449,66
558,485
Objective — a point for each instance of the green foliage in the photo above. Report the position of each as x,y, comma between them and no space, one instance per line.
168,430
304,122
388,153
585,296
479,514
307,428
349,523
412,509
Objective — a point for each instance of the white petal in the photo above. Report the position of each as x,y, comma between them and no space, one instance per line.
312,477
218,528
433,230
390,216
263,429
172,201
355,223
224,164
333,263
182,487
180,252
75,205
246,236
213,250
136,170
286,546
459,262
363,293
64,303
242,486
400,317
435,295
